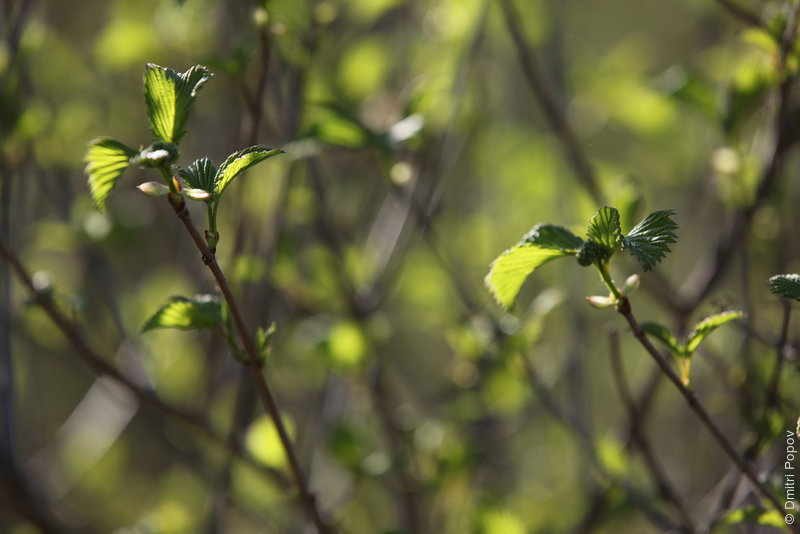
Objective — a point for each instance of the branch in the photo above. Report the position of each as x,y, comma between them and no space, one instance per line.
624,308
743,14
264,392
550,106
99,366
780,355
665,487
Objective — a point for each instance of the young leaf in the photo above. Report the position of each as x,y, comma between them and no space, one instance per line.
168,96
201,311
239,162
649,239
200,174
702,329
663,334
510,270
785,285
106,160
264,338
555,237
604,229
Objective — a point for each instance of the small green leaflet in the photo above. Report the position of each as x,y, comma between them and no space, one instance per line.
201,311
201,174
701,330
649,240
510,270
239,162
785,285
604,229
106,160
663,334
168,96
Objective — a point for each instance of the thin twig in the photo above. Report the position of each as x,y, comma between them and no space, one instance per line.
549,105
624,308
665,487
743,14
583,438
780,356
254,363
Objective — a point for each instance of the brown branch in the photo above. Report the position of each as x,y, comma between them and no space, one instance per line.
308,500
662,482
624,308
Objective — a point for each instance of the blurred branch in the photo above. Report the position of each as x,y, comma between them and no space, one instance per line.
642,502
101,367
780,356
710,270
743,14
359,309
624,308
549,105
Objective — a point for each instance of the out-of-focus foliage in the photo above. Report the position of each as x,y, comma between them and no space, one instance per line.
415,153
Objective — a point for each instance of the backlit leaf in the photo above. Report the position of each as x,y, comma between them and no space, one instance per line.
649,240
702,329
106,160
510,270
239,162
169,95
604,228
201,311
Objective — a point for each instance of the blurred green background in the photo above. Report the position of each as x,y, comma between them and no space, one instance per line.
416,152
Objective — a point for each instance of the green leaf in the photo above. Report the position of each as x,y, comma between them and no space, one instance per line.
200,174
604,229
106,160
702,329
510,270
201,311
239,162
785,285
168,96
555,237
663,334
649,240
264,338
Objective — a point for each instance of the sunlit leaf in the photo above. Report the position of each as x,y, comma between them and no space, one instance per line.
200,174
785,285
663,334
168,96
106,160
510,270
239,162
649,240
604,228
702,329
555,237
201,311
